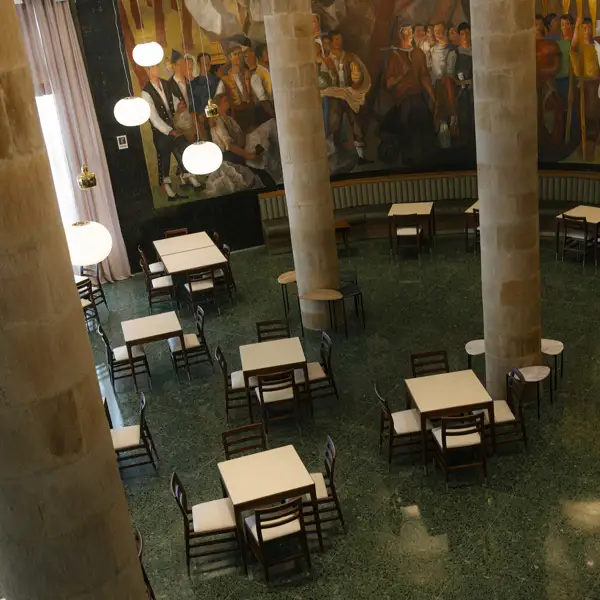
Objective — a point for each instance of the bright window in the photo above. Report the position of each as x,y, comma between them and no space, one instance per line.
63,179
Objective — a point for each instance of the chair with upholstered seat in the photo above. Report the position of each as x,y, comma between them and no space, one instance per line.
462,434
579,237
209,528
236,395
267,525
429,363
278,397
407,228
401,429
88,303
328,503
92,272
139,542
200,287
169,233
244,440
195,346
320,374
158,289
133,444
117,359
156,269
276,329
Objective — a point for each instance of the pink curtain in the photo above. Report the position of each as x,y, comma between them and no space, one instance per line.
57,63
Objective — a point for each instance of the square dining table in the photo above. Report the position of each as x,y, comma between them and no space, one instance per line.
449,394
194,260
263,478
183,243
151,329
271,357
468,220
592,216
422,209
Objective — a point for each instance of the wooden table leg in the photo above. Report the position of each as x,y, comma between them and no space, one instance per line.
315,507
492,419
424,441
239,521
466,232
130,355
283,296
557,236
390,236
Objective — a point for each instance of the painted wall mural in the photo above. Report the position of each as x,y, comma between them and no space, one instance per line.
395,78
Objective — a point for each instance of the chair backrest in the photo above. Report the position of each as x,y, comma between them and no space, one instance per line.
146,272
107,413
277,516
413,220
91,271
516,384
276,382
175,232
199,317
84,289
216,238
199,276
429,363
244,440
276,329
330,457
383,404
180,496
574,224
142,411
461,426
102,334
326,351
220,358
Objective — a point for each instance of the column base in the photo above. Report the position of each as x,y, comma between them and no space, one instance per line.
315,315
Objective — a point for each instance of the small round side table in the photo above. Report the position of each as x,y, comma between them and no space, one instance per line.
555,348
331,297
474,348
284,280
537,374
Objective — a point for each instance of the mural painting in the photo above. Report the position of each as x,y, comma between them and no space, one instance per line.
395,78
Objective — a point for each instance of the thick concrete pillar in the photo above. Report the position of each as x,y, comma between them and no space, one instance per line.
506,128
65,530
292,59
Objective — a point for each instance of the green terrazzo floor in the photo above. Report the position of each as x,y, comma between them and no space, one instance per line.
533,532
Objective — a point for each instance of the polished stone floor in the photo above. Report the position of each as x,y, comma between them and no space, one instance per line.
532,533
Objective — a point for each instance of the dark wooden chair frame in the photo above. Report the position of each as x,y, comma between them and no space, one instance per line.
329,508
160,295
139,541
322,388
145,260
276,516
244,440
92,272
275,382
195,541
276,329
460,426
90,312
579,246
122,369
234,399
169,233
434,362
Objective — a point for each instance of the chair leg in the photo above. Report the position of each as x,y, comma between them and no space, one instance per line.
306,551
339,511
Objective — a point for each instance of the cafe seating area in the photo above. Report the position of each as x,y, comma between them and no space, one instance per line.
270,460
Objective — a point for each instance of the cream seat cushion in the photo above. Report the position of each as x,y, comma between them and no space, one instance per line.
408,421
126,437
320,487
200,286
85,303
315,373
156,267
456,441
162,282
120,353
277,395
237,381
406,231
502,413
190,340
536,373
213,516
273,533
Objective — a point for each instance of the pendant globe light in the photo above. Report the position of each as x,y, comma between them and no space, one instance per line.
89,243
201,158
148,54
131,111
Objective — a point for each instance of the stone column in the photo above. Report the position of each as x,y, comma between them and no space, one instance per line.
503,38
65,530
292,59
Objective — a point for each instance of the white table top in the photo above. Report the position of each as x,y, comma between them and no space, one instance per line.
193,260
164,324
183,243
268,355
264,474
591,213
459,389
410,208
473,207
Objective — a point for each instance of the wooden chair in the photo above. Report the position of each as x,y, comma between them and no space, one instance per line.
224,275
244,440
139,541
118,363
233,384
88,303
407,228
195,346
460,434
328,503
209,528
267,331
133,445
401,430
175,232
284,521
429,363
158,289
92,272
578,237
156,269
200,286
320,374
476,231
508,414
278,398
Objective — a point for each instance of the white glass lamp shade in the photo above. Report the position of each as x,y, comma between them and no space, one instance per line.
202,158
89,243
148,54
132,111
